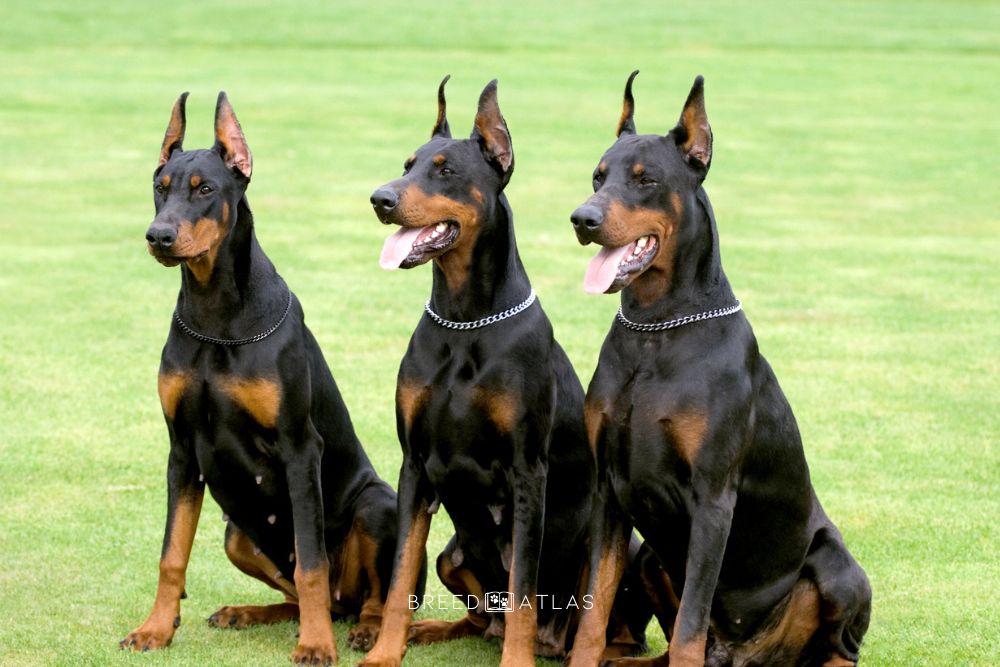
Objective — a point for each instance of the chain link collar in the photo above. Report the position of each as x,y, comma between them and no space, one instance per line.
225,341
680,321
484,322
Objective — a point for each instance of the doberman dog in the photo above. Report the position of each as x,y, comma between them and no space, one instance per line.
489,413
253,412
697,445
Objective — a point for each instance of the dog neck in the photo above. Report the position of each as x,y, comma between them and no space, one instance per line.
692,280
243,293
487,280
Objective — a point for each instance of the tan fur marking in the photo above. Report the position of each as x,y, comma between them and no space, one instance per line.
603,167
397,615
476,193
438,159
240,550
521,626
593,419
678,205
259,397
588,648
460,581
198,243
410,399
687,429
623,225
502,407
158,629
689,654
166,181
315,628
195,181
783,641
171,387
418,209
225,214
638,169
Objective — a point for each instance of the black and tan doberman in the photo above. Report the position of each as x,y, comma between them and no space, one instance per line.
697,446
489,413
253,412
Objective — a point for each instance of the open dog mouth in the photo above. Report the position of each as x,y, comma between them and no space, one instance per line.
412,246
173,260
614,268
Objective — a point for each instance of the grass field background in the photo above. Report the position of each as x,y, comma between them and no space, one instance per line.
854,180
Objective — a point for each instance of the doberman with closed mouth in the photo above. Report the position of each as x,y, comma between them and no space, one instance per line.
697,446
489,414
253,412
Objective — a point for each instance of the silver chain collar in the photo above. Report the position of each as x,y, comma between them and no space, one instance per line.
680,321
226,341
484,322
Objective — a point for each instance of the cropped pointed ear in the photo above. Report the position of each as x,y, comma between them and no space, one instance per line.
625,124
229,140
693,133
174,137
491,132
441,128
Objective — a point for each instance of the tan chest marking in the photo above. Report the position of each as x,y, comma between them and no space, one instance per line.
259,397
502,408
687,430
171,387
410,399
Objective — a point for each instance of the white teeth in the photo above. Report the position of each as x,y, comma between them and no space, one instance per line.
641,243
441,227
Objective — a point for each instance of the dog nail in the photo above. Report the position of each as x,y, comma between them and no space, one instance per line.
259,479
271,519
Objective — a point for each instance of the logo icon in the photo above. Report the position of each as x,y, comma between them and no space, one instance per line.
499,601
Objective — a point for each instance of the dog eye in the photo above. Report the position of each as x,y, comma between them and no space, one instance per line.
598,180
646,180
205,189
445,171
158,187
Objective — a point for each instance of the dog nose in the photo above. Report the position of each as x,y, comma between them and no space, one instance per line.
384,200
587,217
161,236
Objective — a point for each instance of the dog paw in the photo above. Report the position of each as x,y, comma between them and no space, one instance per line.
363,635
379,661
149,638
244,616
324,653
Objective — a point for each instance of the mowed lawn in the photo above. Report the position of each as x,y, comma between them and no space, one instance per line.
854,181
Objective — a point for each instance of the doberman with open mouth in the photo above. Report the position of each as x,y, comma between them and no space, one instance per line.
697,445
489,414
253,412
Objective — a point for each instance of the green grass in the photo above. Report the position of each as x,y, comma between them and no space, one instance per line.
854,181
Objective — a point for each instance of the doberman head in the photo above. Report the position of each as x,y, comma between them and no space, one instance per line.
197,193
444,202
648,207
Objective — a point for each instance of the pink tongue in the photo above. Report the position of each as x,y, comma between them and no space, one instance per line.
603,268
398,246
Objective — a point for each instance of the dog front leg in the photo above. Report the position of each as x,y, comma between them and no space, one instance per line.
710,524
185,492
609,540
526,545
312,567
414,525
